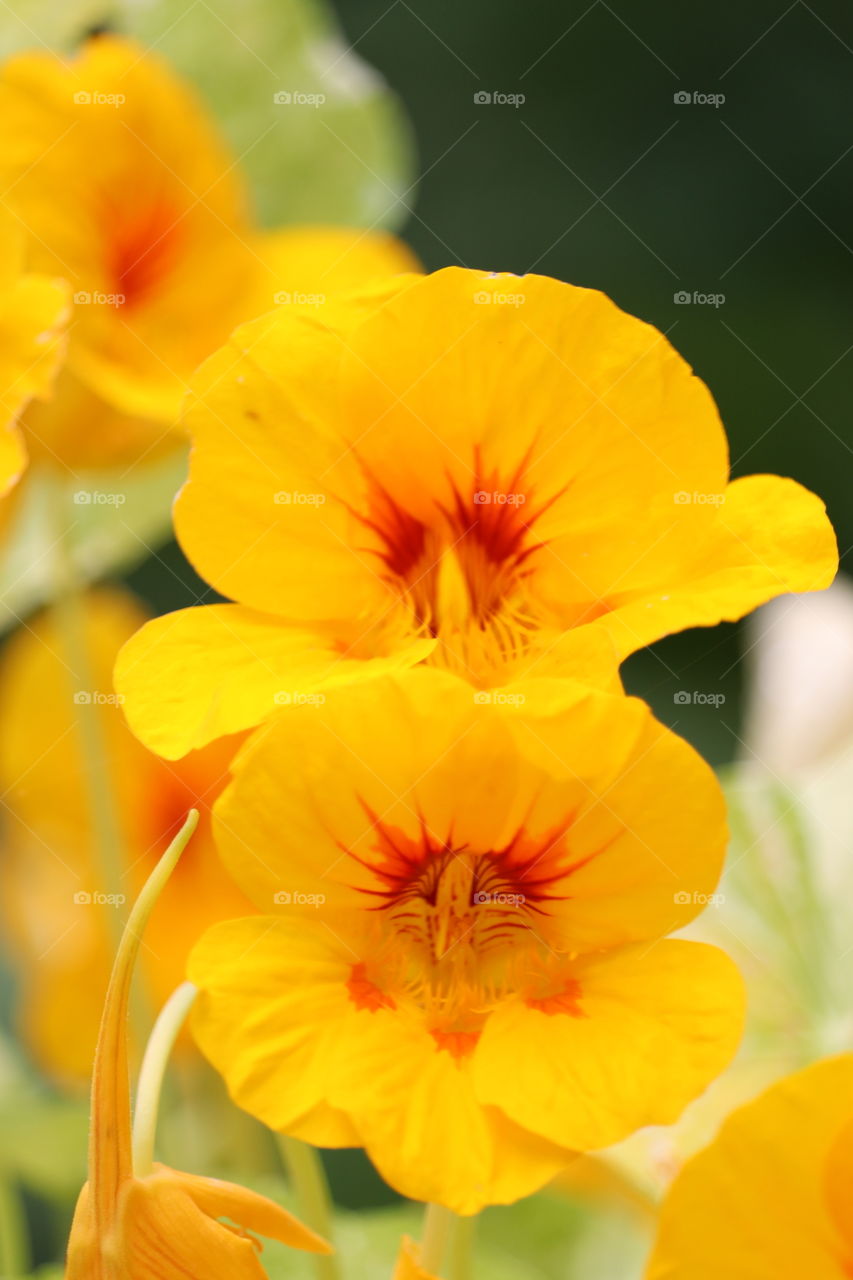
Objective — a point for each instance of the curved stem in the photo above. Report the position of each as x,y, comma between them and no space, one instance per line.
308,1179
110,1162
157,1052
436,1234
14,1235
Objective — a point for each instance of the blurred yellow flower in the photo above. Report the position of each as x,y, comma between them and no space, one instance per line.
772,1197
159,1224
500,475
33,314
55,906
119,176
463,963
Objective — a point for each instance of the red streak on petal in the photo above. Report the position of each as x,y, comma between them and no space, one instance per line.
364,993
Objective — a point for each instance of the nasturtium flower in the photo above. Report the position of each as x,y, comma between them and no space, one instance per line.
158,1223
772,1197
58,914
462,964
33,313
503,476
120,176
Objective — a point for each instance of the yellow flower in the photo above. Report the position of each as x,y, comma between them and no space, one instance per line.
503,476
55,905
463,964
772,1197
160,1224
120,177
33,312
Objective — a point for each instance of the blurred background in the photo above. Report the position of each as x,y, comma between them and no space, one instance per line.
696,164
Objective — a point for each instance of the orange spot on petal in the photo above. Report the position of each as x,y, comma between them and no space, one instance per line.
364,993
459,1044
565,1001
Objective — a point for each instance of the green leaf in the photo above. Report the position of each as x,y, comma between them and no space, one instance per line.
117,518
347,159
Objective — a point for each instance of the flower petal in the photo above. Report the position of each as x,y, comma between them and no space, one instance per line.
770,536
651,1028
277,1017
260,517
254,1212
195,675
751,1205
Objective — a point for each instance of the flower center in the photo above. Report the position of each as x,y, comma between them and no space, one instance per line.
464,574
143,248
459,930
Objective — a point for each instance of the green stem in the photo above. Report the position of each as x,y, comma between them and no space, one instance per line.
461,1264
308,1179
152,1073
14,1235
436,1234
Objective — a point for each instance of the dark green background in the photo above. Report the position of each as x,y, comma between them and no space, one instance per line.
600,178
